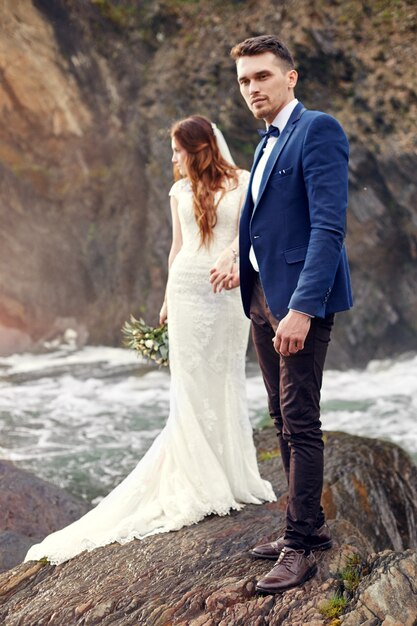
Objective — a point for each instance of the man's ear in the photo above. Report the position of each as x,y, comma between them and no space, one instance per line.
292,78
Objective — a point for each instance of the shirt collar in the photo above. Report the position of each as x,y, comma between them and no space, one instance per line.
284,115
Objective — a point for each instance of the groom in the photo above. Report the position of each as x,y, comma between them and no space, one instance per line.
294,277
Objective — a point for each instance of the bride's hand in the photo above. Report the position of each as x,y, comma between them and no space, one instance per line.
163,313
223,270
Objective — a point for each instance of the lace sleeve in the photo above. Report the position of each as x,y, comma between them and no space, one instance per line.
244,177
181,185
174,191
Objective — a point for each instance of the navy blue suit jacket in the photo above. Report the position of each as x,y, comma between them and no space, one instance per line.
297,227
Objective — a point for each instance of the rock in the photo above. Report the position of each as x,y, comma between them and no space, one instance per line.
368,482
381,479
13,548
199,575
13,340
388,593
203,576
64,331
88,92
30,508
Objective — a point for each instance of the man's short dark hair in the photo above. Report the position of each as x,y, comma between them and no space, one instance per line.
261,44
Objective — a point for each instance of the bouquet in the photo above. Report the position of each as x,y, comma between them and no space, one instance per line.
151,343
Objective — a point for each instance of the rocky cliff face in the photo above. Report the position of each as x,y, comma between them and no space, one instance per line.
88,91
202,575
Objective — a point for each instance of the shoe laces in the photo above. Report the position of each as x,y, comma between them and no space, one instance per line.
287,556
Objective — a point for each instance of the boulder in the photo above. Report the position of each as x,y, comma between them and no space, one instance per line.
387,596
201,575
30,509
373,484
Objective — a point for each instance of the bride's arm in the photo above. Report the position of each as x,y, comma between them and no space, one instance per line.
225,266
225,272
175,248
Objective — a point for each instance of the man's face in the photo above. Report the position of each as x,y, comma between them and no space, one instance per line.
265,84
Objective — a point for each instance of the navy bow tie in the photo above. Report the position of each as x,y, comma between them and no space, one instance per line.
272,131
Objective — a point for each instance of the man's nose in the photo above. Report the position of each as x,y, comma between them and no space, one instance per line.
253,87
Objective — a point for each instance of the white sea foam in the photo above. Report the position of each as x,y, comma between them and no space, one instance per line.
379,401
67,356
83,418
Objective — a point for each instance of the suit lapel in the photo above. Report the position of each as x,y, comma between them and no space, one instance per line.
277,149
256,157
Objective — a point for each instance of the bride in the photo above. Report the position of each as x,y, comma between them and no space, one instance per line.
204,460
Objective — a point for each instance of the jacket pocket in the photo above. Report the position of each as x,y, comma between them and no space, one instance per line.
295,255
280,174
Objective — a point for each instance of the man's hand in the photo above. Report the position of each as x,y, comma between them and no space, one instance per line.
221,280
291,333
232,281
222,274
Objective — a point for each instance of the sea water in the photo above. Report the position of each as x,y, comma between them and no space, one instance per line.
82,419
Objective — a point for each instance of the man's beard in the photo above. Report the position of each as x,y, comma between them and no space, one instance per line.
260,113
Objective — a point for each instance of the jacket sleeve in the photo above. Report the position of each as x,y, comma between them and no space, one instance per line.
325,155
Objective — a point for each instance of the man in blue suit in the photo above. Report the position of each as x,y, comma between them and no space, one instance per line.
294,277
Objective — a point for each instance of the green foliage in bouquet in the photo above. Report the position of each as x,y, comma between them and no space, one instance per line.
151,343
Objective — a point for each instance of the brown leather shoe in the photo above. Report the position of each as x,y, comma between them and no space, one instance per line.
320,540
292,569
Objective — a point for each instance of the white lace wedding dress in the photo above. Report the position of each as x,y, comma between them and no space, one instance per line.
204,460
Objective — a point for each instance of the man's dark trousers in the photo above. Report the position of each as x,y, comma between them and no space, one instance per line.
293,385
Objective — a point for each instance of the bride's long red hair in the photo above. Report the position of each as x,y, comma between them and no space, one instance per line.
207,170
